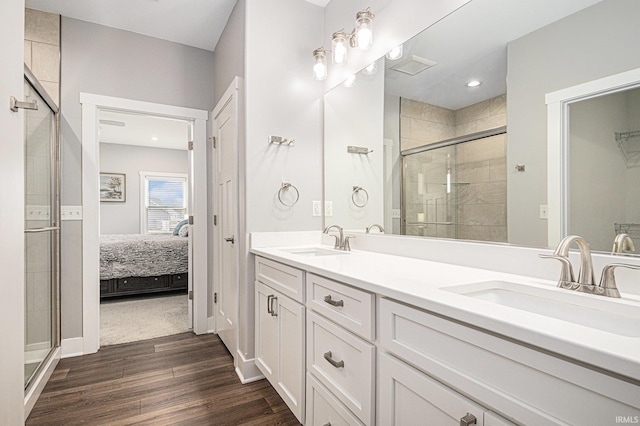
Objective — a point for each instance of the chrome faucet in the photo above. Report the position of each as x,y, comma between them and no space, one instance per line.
585,284
622,244
375,225
342,241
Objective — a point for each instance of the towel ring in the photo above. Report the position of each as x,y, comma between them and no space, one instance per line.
285,187
357,189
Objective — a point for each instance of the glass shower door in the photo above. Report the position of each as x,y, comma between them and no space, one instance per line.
41,233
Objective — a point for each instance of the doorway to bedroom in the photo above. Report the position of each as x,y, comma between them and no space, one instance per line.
144,164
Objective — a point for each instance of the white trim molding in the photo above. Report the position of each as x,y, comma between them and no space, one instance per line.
246,369
72,347
558,103
91,103
31,397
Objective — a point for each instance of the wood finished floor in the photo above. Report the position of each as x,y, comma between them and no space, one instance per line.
175,380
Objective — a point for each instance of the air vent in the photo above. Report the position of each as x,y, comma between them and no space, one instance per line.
413,65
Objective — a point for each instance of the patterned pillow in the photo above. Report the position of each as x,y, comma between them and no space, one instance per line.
184,231
179,226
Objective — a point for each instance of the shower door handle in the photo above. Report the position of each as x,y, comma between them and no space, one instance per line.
230,239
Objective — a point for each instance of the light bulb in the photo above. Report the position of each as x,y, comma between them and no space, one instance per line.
350,81
339,47
395,53
371,69
474,83
320,64
364,29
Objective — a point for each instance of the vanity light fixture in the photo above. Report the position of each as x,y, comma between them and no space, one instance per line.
350,81
154,138
320,64
371,69
361,37
395,53
474,83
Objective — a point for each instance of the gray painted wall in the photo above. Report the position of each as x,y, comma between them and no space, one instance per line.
597,42
107,61
228,58
124,218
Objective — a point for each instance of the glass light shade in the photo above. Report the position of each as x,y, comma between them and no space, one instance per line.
395,53
364,29
319,64
350,81
339,48
371,69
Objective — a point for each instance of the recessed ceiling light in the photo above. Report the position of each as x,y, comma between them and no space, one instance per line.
474,83
154,138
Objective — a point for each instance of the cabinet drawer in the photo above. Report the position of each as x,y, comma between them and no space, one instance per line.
323,408
141,283
409,397
517,381
344,363
179,280
350,307
285,279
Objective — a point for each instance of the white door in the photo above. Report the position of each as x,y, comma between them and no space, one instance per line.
190,212
226,134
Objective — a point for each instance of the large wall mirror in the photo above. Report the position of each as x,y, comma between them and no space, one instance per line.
449,139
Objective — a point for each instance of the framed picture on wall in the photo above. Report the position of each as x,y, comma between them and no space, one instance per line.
113,187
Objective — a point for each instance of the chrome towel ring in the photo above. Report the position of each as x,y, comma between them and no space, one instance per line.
357,189
285,187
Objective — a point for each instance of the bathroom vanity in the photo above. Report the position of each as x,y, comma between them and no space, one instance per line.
367,338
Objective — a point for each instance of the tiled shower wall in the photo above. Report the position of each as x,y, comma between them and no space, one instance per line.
42,49
476,202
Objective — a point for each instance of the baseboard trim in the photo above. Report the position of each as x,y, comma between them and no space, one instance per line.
40,382
247,370
72,347
211,325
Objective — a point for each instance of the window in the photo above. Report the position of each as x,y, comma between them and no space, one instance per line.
164,201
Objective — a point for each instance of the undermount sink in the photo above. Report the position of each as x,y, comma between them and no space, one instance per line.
314,251
597,312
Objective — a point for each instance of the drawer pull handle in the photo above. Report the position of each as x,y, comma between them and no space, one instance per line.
327,424
273,311
328,300
269,304
468,419
336,364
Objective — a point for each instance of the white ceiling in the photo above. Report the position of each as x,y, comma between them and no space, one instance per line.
471,44
139,130
197,23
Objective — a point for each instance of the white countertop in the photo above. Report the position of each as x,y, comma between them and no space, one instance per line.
421,282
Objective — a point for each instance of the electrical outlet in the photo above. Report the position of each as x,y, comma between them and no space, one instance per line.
328,208
544,212
317,208
395,213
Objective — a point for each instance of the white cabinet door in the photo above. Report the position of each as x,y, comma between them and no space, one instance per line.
407,397
280,345
291,336
266,332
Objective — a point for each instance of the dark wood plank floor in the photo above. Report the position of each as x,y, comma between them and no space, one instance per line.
182,379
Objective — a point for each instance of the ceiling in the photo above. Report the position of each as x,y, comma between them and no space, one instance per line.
197,23
471,44
138,129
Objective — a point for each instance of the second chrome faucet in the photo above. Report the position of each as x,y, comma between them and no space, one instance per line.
342,241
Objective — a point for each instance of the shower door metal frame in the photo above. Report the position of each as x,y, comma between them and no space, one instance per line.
47,365
430,147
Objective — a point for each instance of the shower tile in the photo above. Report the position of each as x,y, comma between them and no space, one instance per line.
42,27
482,214
430,132
491,122
478,233
484,149
27,53
483,193
421,110
498,169
498,234
45,60
52,90
479,171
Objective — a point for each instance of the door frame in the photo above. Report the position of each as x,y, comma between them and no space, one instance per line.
91,103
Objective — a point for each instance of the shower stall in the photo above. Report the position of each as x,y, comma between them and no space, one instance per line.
42,237
456,188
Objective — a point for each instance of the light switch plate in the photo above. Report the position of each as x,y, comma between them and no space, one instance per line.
71,212
544,211
328,208
395,213
33,212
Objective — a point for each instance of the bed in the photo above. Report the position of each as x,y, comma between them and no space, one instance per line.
138,264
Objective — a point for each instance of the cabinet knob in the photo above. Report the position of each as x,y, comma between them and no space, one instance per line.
468,419
328,300
336,364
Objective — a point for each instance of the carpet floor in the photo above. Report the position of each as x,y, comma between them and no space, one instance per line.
131,320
